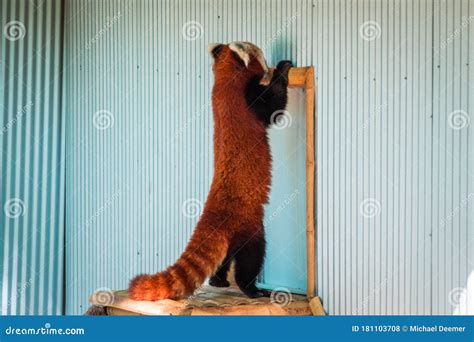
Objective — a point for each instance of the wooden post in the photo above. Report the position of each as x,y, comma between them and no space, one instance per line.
310,234
304,78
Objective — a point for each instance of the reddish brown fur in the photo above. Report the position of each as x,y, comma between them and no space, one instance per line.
233,212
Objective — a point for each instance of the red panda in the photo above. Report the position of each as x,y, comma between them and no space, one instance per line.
231,225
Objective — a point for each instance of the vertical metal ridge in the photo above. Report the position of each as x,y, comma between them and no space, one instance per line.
31,159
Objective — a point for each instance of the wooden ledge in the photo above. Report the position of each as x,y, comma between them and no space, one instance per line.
206,301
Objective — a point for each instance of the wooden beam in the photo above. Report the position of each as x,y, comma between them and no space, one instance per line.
310,167
297,77
316,307
304,78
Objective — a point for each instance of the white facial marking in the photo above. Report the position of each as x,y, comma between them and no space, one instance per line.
242,51
245,50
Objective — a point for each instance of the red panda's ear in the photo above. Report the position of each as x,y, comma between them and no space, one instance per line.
215,49
241,50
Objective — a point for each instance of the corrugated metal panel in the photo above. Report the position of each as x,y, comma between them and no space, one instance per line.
470,164
139,139
32,172
139,136
453,186
374,155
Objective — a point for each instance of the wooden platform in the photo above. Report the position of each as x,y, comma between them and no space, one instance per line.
209,301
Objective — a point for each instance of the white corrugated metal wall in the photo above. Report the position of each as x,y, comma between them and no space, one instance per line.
453,155
31,164
375,156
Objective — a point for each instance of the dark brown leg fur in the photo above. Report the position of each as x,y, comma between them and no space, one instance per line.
248,264
219,279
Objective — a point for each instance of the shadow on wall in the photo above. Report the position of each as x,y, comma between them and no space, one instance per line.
281,50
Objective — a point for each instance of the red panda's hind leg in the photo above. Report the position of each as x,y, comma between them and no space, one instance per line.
219,279
248,264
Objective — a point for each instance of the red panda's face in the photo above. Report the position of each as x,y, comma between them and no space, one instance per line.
243,58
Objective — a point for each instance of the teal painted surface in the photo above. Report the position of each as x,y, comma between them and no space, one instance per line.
285,214
31,163
390,168
139,142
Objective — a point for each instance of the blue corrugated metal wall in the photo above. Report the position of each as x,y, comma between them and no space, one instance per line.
394,187
32,172
391,168
374,156
139,136
144,70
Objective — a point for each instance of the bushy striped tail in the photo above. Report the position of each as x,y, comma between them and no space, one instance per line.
205,252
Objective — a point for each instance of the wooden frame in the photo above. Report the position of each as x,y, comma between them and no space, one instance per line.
304,78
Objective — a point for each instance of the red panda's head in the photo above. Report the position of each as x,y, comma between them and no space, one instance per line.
238,60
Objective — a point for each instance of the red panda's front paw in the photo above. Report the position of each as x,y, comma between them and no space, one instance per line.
144,287
283,67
